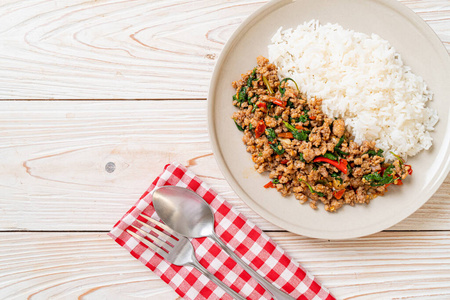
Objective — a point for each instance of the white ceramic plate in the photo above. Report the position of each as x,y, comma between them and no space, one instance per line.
419,47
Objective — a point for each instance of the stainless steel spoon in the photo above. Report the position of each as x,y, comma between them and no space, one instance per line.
188,214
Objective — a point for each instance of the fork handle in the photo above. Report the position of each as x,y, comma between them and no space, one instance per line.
276,293
214,279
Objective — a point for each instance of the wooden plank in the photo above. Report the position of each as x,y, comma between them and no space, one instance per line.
388,265
113,49
73,266
54,176
128,49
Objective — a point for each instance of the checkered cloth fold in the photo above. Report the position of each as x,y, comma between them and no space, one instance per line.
247,240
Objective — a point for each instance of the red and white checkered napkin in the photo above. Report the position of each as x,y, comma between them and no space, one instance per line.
249,242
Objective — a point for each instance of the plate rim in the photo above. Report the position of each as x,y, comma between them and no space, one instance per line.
243,195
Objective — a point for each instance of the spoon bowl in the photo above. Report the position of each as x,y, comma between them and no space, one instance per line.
184,211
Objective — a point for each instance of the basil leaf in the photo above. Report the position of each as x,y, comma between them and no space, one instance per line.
238,126
303,118
339,151
376,179
337,176
271,135
251,78
300,157
299,135
373,153
276,149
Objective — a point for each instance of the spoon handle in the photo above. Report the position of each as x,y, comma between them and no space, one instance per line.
214,279
276,293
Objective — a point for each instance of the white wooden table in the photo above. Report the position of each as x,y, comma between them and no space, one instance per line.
123,84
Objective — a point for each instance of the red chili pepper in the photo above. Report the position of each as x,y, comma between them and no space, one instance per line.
269,185
341,165
261,104
398,182
278,102
260,128
338,194
312,117
286,135
284,161
279,177
299,127
410,170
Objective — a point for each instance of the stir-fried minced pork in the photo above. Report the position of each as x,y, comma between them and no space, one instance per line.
307,153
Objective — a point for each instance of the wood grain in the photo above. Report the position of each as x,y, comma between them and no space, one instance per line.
129,49
54,177
388,265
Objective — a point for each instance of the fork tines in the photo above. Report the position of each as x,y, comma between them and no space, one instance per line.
155,239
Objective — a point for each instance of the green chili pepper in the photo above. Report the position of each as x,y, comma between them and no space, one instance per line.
289,126
266,82
330,156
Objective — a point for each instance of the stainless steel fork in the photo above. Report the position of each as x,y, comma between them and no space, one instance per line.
177,251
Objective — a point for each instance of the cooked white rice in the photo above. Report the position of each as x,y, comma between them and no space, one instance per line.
360,79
